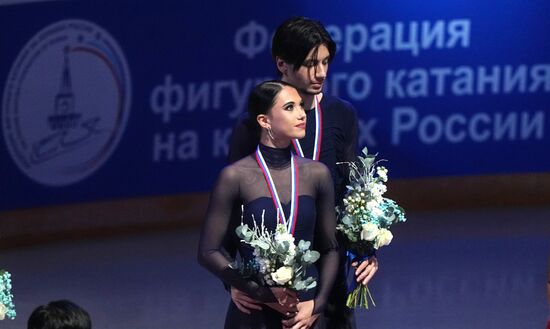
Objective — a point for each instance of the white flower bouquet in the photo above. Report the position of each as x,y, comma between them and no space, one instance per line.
365,218
6,298
278,261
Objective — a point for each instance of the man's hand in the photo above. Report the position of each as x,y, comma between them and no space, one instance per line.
287,301
304,318
244,302
365,271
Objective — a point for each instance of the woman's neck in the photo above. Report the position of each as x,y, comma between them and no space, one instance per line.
276,158
279,143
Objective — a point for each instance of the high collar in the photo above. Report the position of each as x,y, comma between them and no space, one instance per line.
275,157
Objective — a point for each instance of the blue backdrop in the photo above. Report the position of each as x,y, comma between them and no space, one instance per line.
109,99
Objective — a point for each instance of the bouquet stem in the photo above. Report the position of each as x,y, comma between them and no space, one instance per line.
359,298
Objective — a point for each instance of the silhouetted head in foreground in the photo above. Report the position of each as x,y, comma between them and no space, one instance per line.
61,314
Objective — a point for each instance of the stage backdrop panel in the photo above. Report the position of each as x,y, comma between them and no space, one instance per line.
120,99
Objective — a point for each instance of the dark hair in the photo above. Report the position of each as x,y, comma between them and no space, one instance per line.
61,314
260,100
295,38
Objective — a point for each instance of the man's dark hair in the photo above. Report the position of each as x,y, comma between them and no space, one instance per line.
295,38
61,314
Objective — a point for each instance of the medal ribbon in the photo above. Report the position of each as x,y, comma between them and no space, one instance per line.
318,134
291,222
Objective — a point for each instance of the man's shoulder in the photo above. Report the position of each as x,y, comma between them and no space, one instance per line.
338,105
335,102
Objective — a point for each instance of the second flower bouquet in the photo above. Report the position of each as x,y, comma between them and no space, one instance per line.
366,217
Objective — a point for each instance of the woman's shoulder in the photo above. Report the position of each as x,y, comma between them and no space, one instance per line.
314,167
240,167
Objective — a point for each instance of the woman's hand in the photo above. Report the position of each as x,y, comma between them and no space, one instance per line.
365,271
304,319
287,301
244,302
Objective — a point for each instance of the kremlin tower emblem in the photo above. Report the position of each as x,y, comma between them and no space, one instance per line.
66,102
64,116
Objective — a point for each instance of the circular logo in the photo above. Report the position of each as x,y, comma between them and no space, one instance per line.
66,102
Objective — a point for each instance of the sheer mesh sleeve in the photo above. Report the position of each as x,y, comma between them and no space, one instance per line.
241,144
214,232
325,241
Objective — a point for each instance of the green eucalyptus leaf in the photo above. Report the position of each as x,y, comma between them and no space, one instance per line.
260,244
311,256
313,284
299,285
304,245
239,230
346,220
282,247
244,233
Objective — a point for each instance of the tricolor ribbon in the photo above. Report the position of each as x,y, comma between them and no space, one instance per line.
318,134
291,222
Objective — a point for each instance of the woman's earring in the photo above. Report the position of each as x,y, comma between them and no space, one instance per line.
270,133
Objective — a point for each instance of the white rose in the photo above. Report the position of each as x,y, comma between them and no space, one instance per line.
369,232
283,275
3,311
383,239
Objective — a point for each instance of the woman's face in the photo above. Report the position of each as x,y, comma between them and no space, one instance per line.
287,117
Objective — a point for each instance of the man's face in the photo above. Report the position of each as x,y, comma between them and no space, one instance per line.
311,75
